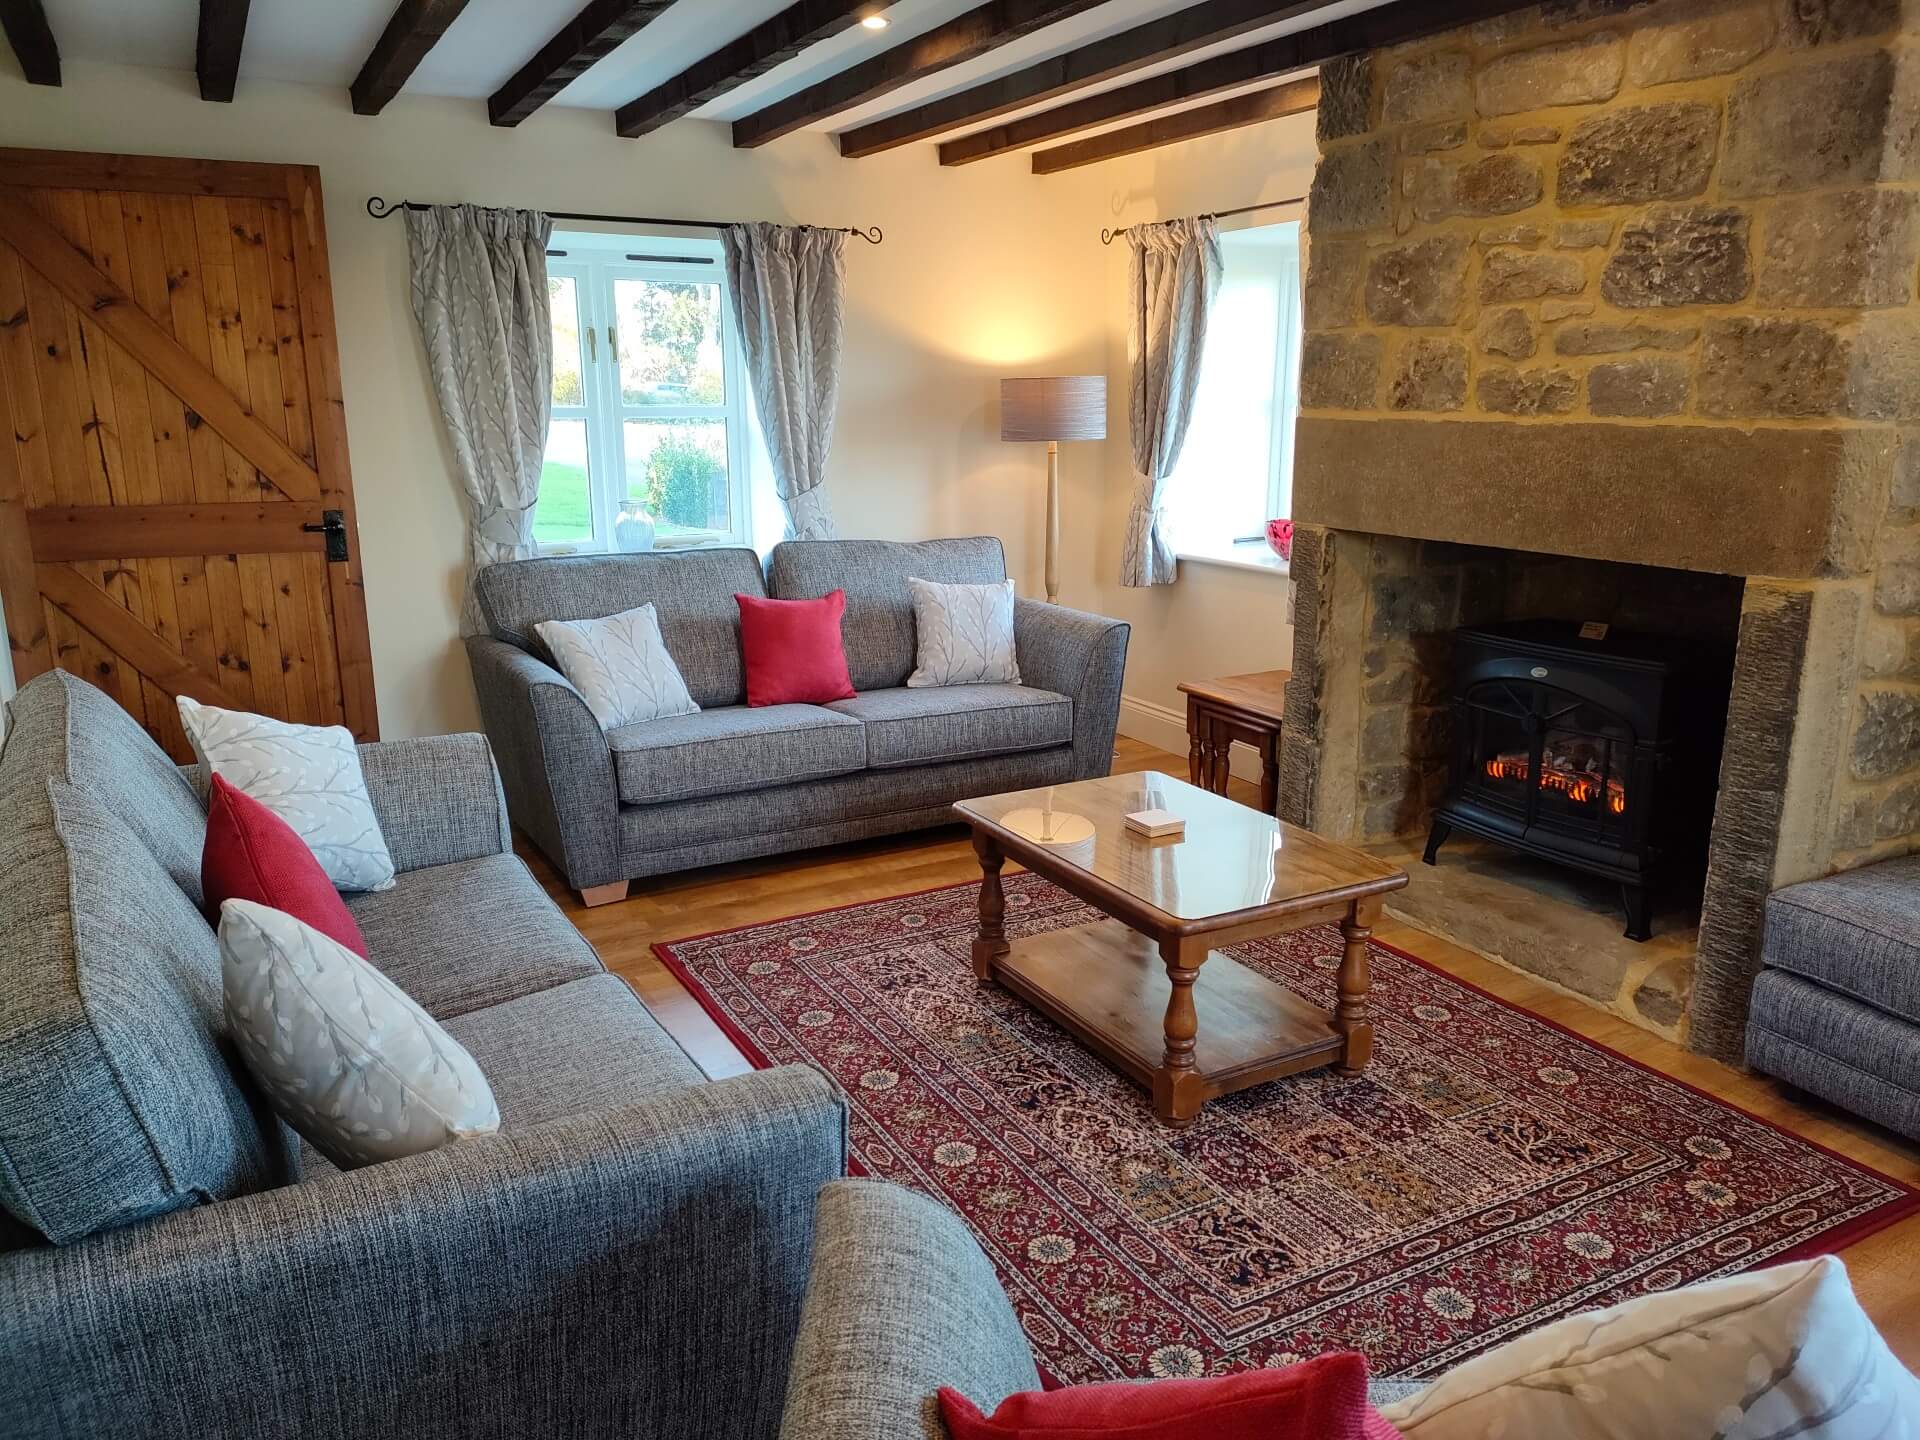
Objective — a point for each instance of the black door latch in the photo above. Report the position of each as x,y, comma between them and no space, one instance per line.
333,525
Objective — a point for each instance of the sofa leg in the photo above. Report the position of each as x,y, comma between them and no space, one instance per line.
604,894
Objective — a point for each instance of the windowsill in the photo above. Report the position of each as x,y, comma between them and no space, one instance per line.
1254,555
587,547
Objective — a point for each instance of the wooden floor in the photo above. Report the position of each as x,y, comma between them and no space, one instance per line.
1885,1267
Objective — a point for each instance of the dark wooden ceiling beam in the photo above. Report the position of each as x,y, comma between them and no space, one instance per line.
1167,38
1269,60
216,53
596,32
769,44
962,38
25,24
416,27
1295,97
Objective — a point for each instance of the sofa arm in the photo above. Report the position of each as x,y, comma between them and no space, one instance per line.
1081,655
901,1302
635,1271
438,799
553,759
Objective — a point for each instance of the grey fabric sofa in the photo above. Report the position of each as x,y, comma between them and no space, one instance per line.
1836,1011
733,781
627,1257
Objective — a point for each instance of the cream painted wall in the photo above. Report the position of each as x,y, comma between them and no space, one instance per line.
986,271
1215,620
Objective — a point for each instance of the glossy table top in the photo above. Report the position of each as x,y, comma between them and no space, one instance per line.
1264,692
1231,860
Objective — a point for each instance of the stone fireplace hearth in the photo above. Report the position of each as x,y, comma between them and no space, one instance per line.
1612,317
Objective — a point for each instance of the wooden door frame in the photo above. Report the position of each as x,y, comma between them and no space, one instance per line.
298,186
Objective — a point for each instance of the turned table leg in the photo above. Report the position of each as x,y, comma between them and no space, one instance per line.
1350,1013
1270,773
1177,1089
991,943
1196,748
1222,757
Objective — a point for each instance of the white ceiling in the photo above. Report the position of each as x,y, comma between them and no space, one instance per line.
324,42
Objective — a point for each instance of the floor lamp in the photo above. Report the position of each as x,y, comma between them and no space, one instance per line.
1054,408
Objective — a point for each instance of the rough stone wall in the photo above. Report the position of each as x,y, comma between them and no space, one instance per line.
1685,219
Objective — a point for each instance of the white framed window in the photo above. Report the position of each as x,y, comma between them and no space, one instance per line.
1236,467
651,433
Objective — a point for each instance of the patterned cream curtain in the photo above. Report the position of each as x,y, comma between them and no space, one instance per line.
786,282
1175,275
480,295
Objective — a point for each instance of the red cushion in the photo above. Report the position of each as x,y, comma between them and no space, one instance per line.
1323,1399
252,854
792,650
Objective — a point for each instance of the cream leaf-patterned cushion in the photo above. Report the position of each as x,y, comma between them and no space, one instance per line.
620,666
308,775
1778,1352
344,1054
963,634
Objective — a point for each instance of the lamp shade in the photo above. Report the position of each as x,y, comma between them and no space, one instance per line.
1054,407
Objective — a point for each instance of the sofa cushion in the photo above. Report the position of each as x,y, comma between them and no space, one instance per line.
692,590
620,666
347,1057
714,828
1858,933
1862,1059
957,722
718,752
120,1095
793,651
582,1046
64,727
575,1048
252,854
879,623
463,936
1776,1352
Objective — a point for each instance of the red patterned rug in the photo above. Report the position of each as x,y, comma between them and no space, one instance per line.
1490,1172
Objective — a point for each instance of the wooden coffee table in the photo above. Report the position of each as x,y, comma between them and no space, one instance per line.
1147,989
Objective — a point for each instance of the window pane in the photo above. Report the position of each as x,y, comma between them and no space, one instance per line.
669,342
563,514
1220,490
677,473
562,294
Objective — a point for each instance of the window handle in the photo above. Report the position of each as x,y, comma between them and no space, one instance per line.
613,345
593,347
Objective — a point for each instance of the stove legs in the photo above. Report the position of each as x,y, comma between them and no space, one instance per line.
1436,838
1639,911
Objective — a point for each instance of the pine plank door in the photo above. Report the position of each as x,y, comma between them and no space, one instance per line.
176,512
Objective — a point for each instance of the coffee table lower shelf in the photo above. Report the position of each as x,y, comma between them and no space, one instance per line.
1107,985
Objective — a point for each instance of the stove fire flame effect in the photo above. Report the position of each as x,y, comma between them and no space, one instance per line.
1578,786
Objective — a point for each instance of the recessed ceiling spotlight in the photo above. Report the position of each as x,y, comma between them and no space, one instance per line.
875,22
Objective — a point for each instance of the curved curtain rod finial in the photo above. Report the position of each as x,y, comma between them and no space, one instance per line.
379,209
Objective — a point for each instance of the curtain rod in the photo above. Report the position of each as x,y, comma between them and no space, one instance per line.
1107,237
379,209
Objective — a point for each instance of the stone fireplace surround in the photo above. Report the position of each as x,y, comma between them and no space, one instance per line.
1631,283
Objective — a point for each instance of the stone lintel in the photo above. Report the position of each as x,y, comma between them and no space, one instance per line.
1766,501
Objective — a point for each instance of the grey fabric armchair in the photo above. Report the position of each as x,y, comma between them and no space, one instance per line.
1836,1008
630,1272
733,781
627,1257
